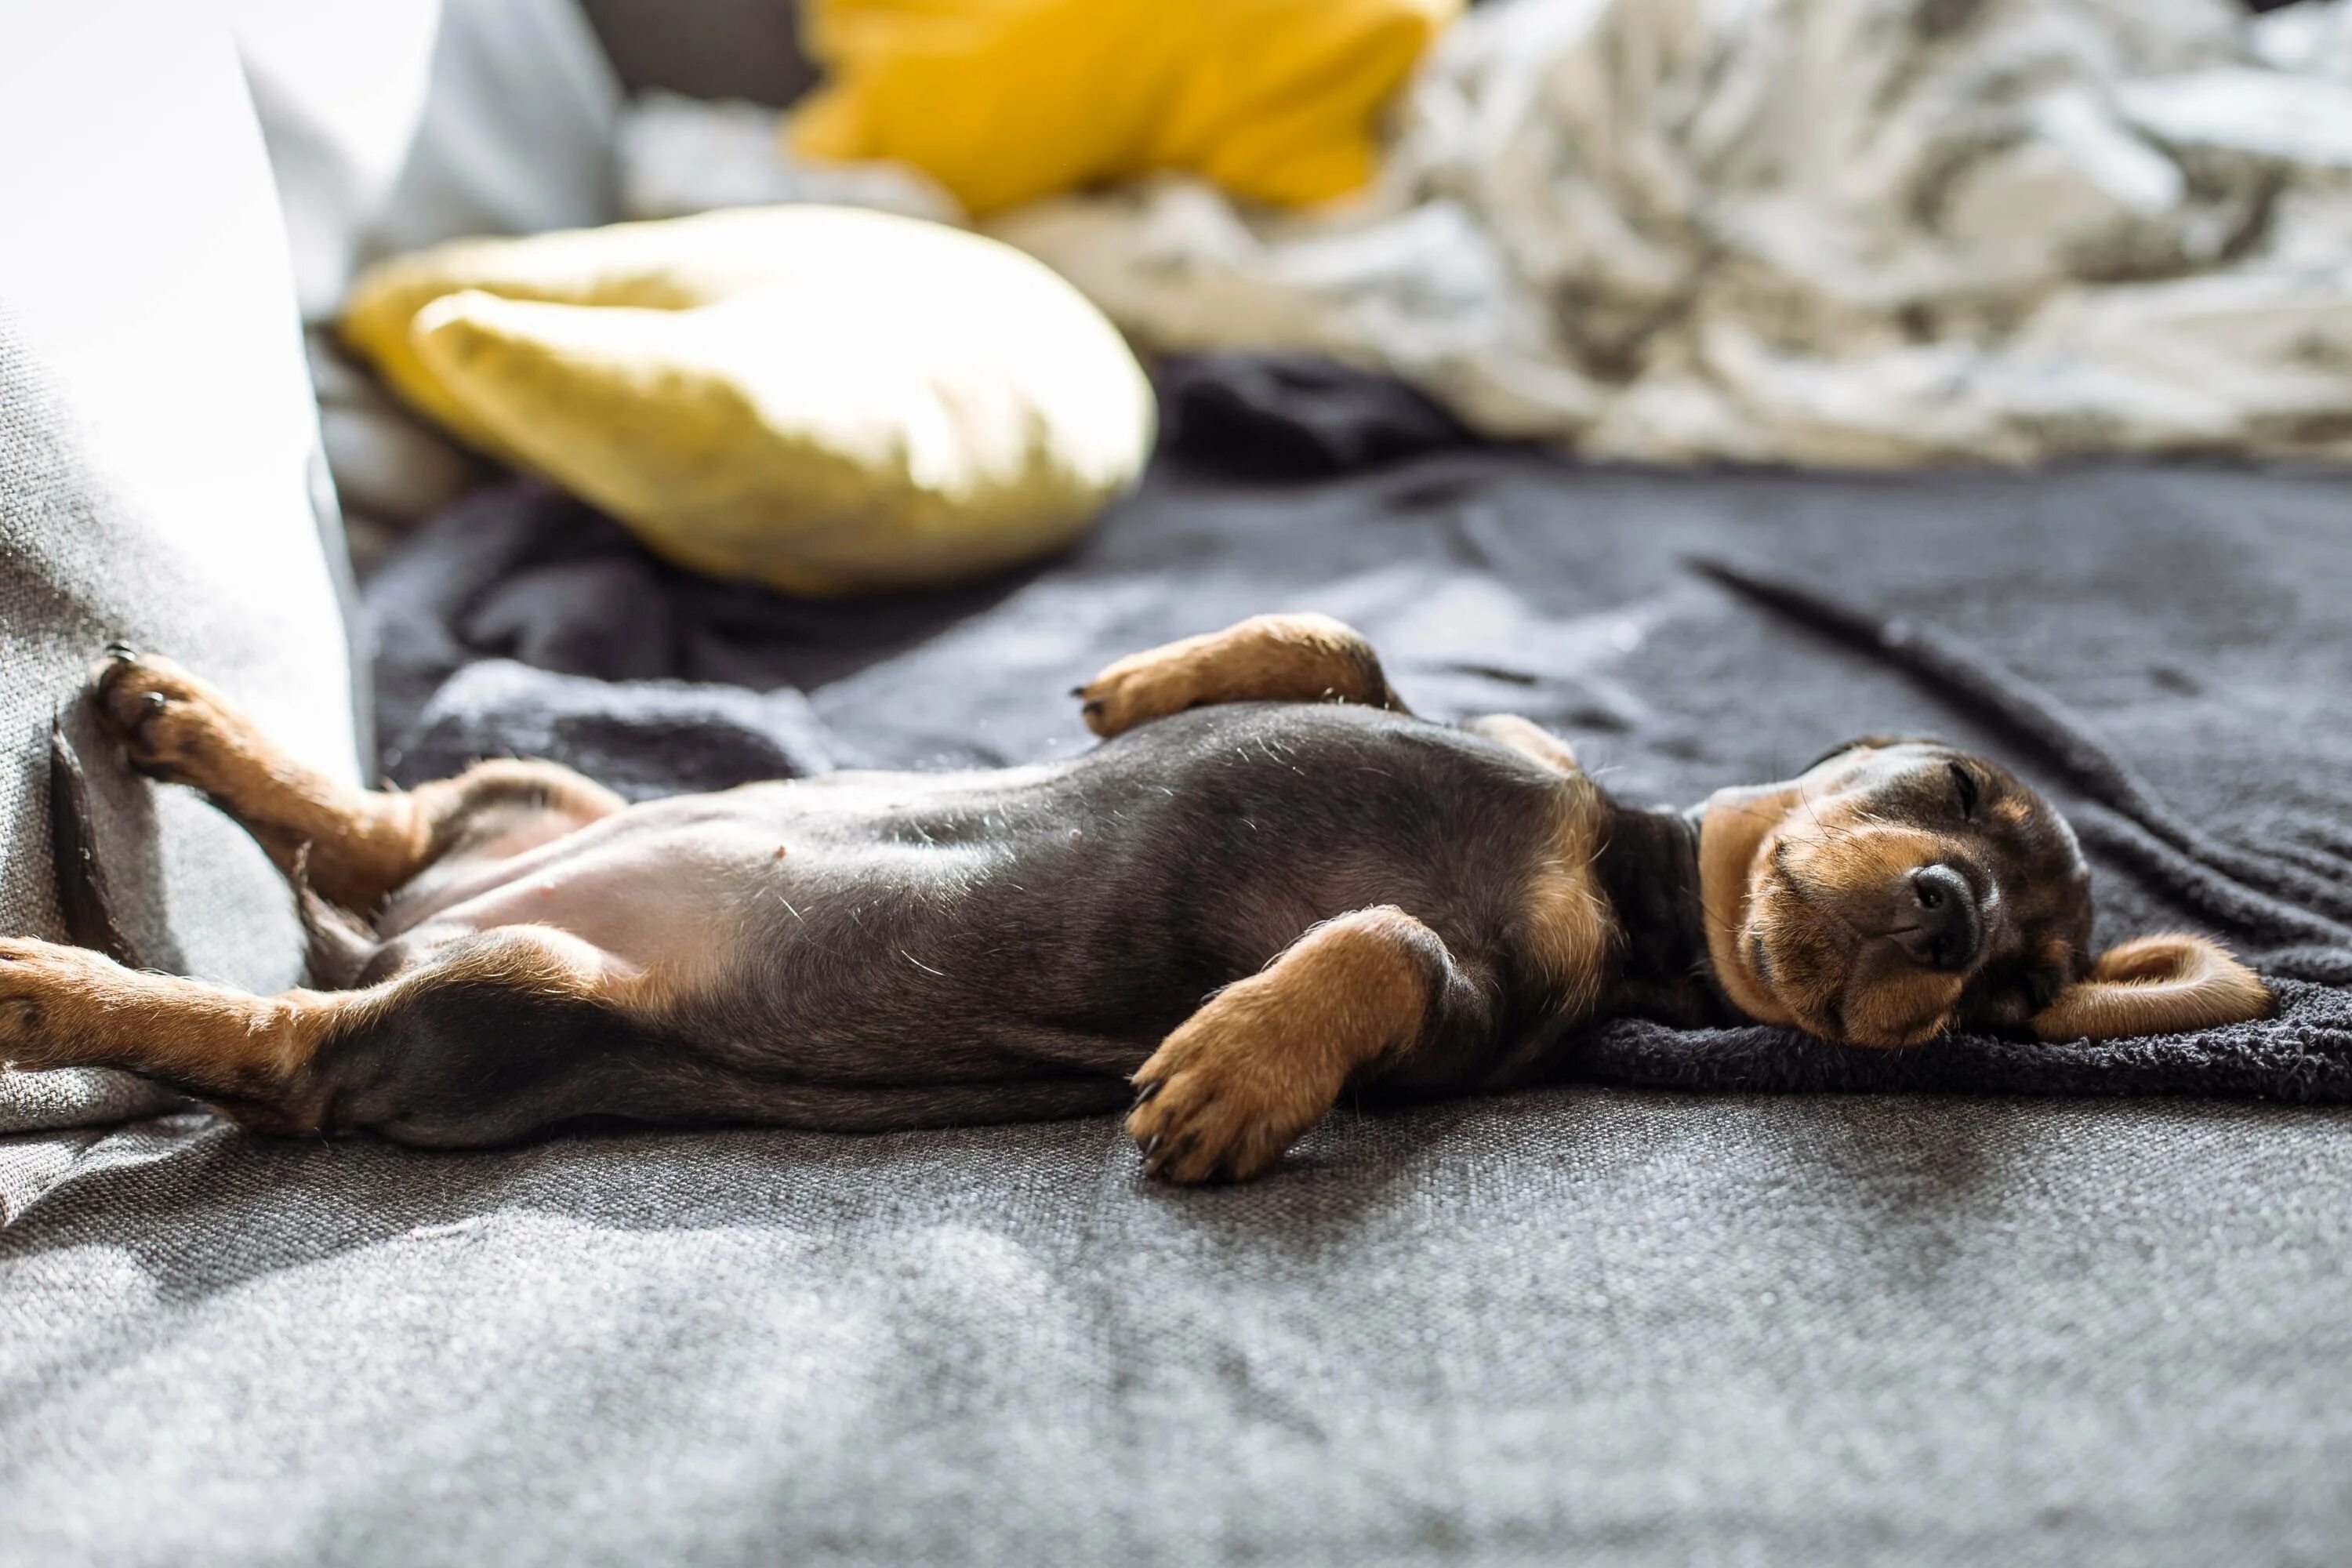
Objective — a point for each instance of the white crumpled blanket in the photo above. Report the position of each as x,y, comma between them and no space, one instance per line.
1873,232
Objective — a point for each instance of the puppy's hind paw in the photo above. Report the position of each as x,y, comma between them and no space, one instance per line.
45,988
164,718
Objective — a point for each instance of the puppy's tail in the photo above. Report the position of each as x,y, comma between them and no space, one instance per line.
81,881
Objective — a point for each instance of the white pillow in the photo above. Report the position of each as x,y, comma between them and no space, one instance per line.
397,124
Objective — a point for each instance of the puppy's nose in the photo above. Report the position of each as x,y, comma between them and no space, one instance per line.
1942,928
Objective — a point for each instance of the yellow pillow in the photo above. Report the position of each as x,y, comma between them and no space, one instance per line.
822,399
1007,101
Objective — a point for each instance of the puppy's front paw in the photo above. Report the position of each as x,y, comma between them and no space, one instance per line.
1140,688
1224,1096
163,717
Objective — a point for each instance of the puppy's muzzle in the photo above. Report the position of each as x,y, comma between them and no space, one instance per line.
1940,923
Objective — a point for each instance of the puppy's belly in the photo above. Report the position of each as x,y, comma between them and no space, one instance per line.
678,884
673,900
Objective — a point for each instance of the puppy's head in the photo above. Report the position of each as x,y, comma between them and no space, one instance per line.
1900,887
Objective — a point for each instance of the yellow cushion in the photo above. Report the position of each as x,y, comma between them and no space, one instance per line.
822,399
1007,101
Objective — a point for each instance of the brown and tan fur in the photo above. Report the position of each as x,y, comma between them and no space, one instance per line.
1260,1063
354,846
1271,887
1279,658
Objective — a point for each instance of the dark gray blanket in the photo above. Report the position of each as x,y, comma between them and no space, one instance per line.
1621,1326
2164,651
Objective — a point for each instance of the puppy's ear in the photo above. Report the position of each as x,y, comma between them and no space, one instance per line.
1869,742
2155,985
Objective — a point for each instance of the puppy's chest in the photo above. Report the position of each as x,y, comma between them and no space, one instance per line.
1566,937
1494,851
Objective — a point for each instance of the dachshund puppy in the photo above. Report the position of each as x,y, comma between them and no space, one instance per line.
1269,886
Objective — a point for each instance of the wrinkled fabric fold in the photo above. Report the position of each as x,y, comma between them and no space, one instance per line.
1828,232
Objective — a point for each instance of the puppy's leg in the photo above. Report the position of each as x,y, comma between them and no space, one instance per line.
1267,658
1528,739
1262,1060
361,844
446,1041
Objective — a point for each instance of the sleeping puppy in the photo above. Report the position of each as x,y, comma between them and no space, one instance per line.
1270,886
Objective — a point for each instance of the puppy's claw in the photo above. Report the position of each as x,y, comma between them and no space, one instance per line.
121,653
1145,1093
162,716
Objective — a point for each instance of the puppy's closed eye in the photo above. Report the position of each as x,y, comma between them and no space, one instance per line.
1966,790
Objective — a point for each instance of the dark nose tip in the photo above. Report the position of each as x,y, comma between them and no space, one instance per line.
1943,928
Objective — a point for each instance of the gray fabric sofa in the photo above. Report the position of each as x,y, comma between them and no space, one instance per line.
1571,1325
160,475
1561,1327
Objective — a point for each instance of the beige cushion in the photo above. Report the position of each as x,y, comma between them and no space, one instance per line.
823,399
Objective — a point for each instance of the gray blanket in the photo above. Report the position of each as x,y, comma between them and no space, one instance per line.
1586,1323
1682,633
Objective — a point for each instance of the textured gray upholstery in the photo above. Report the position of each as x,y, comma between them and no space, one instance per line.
159,477
1579,1325
1576,1325
1569,1326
